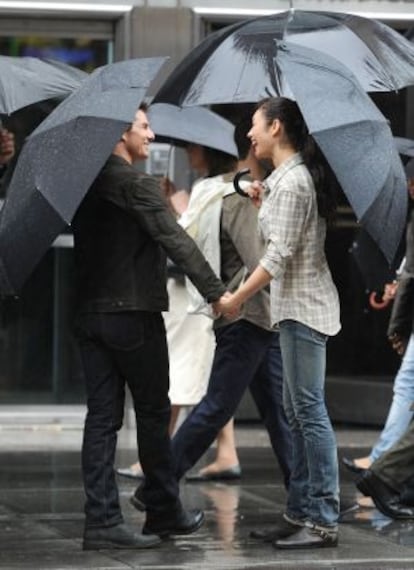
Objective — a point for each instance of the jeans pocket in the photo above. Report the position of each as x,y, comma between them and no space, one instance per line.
123,331
318,336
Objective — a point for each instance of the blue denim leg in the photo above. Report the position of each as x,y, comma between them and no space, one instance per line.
240,349
267,391
400,414
314,488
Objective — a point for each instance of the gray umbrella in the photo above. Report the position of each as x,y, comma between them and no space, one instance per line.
177,125
27,80
354,137
61,159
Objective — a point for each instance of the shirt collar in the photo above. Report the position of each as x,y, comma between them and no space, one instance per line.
281,170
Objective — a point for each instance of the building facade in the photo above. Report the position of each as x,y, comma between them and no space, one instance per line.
39,362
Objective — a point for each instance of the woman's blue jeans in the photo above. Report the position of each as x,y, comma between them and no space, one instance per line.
314,489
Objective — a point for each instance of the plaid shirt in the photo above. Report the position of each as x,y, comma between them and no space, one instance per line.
302,288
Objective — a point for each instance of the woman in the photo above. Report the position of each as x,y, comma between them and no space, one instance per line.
295,205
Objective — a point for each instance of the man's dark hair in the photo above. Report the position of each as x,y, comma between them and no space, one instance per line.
241,129
142,107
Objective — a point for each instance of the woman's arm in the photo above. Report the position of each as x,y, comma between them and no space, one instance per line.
231,302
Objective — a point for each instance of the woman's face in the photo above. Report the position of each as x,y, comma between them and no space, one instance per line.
261,136
196,158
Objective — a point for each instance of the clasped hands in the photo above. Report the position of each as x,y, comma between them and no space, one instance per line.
227,306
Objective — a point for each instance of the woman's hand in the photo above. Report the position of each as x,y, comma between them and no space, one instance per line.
255,192
177,199
167,186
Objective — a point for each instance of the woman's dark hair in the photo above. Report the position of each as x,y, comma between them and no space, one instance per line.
296,131
218,162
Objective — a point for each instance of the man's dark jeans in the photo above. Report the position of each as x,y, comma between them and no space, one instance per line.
245,355
117,348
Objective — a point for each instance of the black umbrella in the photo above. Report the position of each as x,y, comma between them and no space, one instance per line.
374,268
235,64
354,137
61,159
181,125
27,80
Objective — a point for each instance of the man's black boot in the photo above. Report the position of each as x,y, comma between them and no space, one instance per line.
174,522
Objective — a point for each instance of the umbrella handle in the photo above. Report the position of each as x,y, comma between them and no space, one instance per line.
377,305
236,181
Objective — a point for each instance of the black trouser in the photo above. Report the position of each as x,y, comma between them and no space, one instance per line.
117,348
396,465
245,355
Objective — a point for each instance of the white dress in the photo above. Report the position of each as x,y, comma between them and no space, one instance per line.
191,341
191,345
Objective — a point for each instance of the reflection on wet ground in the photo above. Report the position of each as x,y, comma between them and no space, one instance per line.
41,522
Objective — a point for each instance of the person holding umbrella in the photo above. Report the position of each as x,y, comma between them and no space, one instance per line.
123,231
401,336
295,205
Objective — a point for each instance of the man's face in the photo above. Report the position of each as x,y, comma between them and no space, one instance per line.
138,138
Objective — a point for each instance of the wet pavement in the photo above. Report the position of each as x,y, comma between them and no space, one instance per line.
41,518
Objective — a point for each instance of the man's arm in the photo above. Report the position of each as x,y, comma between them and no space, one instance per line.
142,198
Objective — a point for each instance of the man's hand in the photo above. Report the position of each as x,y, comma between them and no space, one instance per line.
398,343
390,290
7,148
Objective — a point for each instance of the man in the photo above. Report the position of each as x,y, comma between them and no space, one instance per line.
401,335
247,349
123,231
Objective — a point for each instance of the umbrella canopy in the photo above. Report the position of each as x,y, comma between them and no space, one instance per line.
27,80
355,139
235,64
180,125
373,266
61,159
